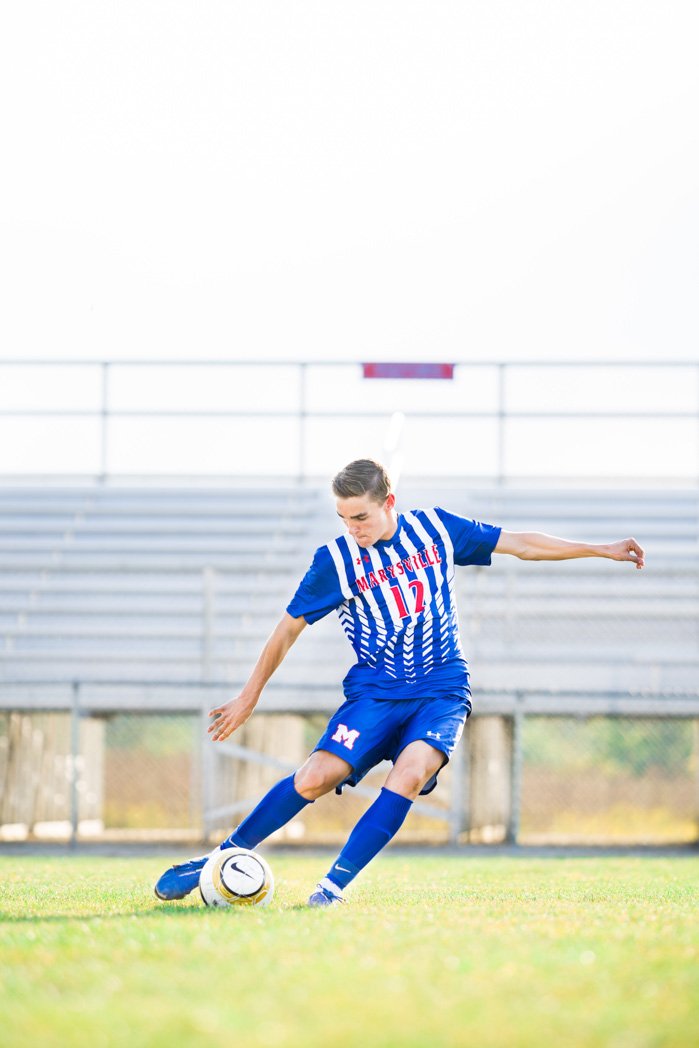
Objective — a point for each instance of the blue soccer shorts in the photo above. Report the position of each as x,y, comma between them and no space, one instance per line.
365,732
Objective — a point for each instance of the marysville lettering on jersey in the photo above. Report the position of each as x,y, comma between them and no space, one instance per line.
426,558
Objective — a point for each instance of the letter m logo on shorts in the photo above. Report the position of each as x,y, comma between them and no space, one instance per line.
345,736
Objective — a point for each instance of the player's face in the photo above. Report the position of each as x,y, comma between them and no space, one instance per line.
367,520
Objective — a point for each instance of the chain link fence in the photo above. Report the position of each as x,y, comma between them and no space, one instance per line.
610,779
132,776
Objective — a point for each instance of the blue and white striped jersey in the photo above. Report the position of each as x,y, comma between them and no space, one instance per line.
397,605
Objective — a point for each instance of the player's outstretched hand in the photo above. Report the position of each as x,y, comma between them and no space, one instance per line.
628,549
229,717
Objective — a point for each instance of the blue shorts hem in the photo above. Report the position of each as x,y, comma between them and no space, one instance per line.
416,725
336,748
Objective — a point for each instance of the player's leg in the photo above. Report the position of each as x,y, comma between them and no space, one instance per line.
318,775
321,773
427,739
413,769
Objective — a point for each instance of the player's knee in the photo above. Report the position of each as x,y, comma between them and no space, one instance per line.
408,780
313,781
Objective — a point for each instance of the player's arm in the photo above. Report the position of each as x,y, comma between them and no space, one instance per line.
233,714
533,545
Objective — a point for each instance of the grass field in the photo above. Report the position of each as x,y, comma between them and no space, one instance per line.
431,951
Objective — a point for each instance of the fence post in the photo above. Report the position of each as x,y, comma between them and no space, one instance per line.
208,755
208,763
458,787
516,774
74,764
696,779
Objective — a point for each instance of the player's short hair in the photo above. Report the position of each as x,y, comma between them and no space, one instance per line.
362,477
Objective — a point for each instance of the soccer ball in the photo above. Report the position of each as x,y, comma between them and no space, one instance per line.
236,877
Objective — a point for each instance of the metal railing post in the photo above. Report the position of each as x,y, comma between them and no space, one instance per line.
501,424
513,825
303,372
74,764
696,471
104,423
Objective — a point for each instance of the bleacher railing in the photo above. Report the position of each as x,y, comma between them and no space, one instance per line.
497,420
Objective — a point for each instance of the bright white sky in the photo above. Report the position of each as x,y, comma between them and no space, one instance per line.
365,180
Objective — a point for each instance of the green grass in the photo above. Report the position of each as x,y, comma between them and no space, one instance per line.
478,952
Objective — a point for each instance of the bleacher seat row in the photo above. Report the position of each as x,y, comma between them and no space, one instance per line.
136,584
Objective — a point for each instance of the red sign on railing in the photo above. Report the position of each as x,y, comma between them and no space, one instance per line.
391,370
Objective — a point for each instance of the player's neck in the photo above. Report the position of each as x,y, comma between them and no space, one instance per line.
392,528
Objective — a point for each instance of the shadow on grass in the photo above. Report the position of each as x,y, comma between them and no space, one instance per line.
164,912
168,911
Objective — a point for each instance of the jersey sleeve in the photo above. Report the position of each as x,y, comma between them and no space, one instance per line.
473,541
319,591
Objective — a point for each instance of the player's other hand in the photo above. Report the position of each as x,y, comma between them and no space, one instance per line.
228,718
628,549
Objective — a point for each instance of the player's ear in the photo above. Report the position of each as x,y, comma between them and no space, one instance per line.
390,501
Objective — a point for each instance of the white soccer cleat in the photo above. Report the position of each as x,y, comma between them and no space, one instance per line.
326,894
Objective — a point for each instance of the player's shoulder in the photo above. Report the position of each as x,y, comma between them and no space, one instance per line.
421,511
329,552
431,514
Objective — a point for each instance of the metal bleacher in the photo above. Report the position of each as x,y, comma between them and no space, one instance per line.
146,593
144,584
588,625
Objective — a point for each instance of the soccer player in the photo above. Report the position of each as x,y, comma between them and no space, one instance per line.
391,581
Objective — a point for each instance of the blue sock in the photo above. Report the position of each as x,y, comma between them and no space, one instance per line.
274,811
377,826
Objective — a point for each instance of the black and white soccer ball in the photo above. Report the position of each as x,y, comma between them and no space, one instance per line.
236,877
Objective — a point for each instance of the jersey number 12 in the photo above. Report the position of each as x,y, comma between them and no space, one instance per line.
419,591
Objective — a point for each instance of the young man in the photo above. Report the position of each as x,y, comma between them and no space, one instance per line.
391,581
